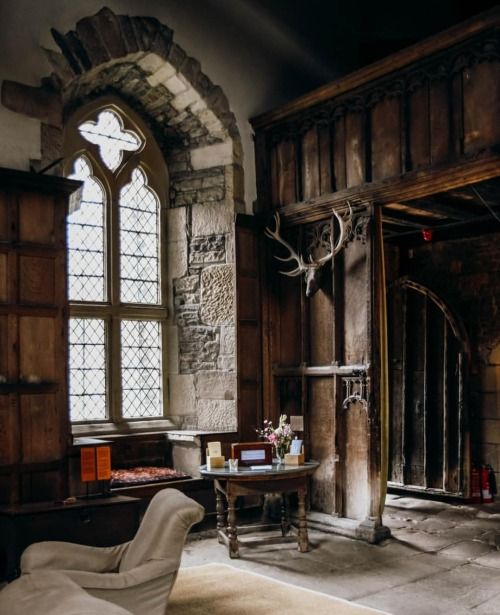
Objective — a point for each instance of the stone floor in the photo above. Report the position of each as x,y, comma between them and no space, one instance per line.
441,558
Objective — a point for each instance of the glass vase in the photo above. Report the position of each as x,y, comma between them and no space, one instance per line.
280,452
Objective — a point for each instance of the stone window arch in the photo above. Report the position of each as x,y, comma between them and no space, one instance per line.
137,60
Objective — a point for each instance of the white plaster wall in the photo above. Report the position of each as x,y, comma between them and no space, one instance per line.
20,139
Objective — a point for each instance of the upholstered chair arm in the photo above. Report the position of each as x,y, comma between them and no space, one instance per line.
119,580
65,555
144,589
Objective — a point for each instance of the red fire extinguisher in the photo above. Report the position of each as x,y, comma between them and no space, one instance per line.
486,495
475,485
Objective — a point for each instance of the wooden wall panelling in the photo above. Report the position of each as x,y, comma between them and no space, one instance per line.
440,121
355,149
37,223
325,158
454,426
33,357
321,425
435,378
339,153
249,330
355,462
415,392
481,90
419,127
396,344
9,430
356,277
265,171
311,183
457,115
287,160
386,154
37,279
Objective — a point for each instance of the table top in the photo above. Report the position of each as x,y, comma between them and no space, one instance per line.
278,470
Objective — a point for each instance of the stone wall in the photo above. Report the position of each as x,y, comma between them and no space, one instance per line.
136,59
466,274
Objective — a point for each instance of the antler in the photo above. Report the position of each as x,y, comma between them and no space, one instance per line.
293,254
345,225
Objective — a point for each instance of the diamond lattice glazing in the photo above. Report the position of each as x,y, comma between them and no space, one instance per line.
87,369
139,242
141,369
86,239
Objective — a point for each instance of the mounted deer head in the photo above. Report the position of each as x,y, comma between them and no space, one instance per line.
312,270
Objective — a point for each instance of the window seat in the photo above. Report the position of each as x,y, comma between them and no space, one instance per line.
141,475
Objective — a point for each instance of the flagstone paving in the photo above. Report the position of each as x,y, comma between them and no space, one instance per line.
441,559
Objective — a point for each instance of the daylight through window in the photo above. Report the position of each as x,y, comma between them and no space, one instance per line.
117,311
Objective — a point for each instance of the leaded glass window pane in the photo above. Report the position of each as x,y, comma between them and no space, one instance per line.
139,242
112,139
86,239
87,369
141,369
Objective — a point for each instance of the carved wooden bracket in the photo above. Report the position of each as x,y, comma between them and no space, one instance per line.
357,390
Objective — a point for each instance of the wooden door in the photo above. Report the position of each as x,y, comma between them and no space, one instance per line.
427,376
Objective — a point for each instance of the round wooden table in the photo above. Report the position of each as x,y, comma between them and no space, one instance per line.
245,481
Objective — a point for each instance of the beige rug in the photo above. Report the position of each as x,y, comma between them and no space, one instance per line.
219,589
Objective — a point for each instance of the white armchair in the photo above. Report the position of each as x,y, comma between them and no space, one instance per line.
137,576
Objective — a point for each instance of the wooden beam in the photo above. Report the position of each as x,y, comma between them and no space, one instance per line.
410,186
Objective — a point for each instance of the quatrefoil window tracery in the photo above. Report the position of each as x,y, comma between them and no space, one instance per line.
110,136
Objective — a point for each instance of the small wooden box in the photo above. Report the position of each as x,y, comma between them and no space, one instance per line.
215,462
252,453
294,460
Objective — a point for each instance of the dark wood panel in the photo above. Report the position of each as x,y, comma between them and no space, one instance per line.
356,276
339,154
440,121
355,149
321,427
355,462
310,164
40,428
454,410
321,310
287,172
37,353
37,218
481,92
290,323
396,344
415,390
37,279
248,326
9,430
435,378
325,158
418,104
386,138
4,216
3,277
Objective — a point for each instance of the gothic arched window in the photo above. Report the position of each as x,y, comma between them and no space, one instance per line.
116,269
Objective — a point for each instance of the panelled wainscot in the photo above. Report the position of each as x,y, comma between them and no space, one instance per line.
34,421
371,148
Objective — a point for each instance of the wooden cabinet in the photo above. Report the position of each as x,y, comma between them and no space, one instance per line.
34,422
100,522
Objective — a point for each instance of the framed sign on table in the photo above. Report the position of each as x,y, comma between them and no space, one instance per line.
252,453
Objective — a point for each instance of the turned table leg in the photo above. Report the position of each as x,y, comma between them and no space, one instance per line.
285,524
221,516
302,533
231,527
